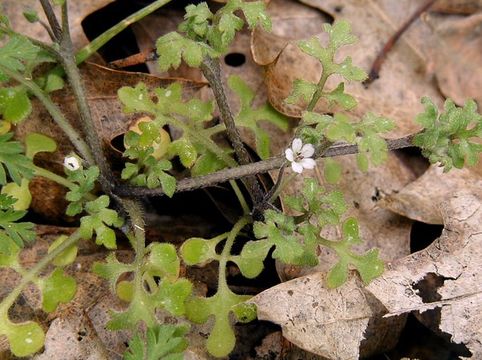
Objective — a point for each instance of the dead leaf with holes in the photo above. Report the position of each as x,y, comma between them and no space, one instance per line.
456,259
420,199
343,323
403,78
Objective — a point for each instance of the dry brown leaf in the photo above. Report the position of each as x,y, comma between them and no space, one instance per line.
457,6
420,199
457,55
78,11
455,259
329,322
403,79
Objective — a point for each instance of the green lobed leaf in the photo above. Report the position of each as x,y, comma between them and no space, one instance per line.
57,288
16,51
13,161
198,251
35,143
15,105
24,338
251,118
163,260
161,342
98,221
67,256
450,137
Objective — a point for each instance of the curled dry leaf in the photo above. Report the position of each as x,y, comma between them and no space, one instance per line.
457,56
419,200
78,11
455,259
333,323
403,79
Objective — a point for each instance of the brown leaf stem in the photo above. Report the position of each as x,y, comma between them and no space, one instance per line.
250,170
211,69
380,59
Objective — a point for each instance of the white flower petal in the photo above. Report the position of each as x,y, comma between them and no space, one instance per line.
297,144
297,167
308,163
307,150
289,155
72,163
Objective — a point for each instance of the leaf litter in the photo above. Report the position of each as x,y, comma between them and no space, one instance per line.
353,320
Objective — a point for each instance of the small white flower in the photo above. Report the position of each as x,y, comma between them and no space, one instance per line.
72,162
300,156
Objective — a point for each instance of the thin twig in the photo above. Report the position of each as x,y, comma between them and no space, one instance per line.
52,19
68,62
249,170
212,71
380,59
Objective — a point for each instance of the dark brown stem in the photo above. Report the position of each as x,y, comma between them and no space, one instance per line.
380,59
250,170
87,123
52,19
212,71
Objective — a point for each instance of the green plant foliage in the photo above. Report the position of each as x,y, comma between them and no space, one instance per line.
208,34
24,338
195,147
34,143
10,229
15,105
161,342
369,265
68,256
449,138
84,182
56,288
250,118
339,34
365,133
99,220
13,161
15,52
169,293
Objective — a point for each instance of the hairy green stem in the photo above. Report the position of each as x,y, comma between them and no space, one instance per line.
319,91
240,196
251,169
102,39
32,273
55,112
39,171
223,259
205,142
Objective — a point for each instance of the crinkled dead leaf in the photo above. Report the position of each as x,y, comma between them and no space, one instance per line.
419,200
333,323
455,259
403,79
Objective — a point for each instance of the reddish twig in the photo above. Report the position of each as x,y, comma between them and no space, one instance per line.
380,59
